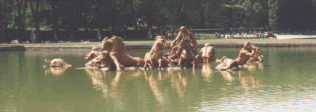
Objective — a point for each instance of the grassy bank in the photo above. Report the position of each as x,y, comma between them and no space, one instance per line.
199,41
218,43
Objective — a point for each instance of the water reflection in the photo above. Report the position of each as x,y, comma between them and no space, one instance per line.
227,76
160,82
58,71
245,76
207,71
163,83
255,66
97,77
179,82
247,80
284,81
114,85
156,86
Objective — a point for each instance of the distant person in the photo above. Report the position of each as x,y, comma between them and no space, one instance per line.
216,35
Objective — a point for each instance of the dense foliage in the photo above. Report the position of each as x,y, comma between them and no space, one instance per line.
122,15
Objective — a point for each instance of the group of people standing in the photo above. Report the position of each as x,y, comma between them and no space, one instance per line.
183,53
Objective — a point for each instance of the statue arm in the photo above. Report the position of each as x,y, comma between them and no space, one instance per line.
102,45
250,54
176,40
218,60
193,40
221,67
87,57
201,51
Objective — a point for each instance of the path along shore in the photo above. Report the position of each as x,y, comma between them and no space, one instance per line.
295,37
143,46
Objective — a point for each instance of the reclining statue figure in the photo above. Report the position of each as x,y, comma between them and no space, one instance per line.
245,54
57,62
103,60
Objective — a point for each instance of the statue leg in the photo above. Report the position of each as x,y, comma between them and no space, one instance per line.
194,50
117,64
159,63
181,63
199,59
140,62
145,65
232,64
153,64
175,48
178,53
193,64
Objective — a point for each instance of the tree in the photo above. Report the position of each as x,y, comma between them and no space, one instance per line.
134,18
35,17
119,15
273,16
54,17
174,22
112,15
19,19
1,19
126,18
296,15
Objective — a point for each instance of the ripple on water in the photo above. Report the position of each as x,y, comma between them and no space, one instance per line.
262,100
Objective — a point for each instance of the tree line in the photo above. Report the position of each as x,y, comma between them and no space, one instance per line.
71,16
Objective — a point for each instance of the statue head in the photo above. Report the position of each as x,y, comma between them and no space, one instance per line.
207,44
104,53
183,29
105,38
161,40
247,46
47,61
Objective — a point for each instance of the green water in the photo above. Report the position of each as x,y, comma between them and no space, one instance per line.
285,81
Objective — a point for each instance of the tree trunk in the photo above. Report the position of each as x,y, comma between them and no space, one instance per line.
1,27
19,20
5,26
85,16
149,16
35,17
54,16
165,24
87,22
36,21
125,14
134,19
174,22
71,20
112,16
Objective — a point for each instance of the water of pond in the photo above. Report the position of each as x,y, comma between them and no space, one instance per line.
285,81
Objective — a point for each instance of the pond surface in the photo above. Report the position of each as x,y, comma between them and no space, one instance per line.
285,81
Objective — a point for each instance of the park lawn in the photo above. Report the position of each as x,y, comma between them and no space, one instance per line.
198,41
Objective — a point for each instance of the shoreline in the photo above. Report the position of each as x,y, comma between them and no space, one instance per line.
143,46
